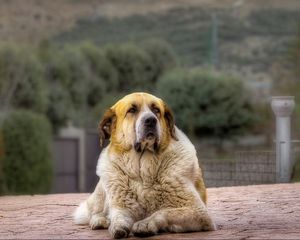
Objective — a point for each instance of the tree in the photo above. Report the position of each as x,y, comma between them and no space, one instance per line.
104,77
21,79
134,66
163,57
206,103
68,76
57,77
108,101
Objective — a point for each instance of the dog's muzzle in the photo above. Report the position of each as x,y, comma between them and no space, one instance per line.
147,131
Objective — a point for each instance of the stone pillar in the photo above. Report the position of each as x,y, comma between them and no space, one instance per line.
282,107
79,134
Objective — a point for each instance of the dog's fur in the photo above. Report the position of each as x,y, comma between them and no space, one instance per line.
150,180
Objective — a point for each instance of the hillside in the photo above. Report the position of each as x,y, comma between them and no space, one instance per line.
246,38
32,20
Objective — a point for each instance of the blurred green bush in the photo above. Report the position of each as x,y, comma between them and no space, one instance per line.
26,156
77,82
207,103
104,76
2,181
21,78
102,106
162,56
134,66
56,76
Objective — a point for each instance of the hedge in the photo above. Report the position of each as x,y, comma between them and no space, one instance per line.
26,161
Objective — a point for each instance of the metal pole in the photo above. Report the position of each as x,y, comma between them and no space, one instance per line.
214,41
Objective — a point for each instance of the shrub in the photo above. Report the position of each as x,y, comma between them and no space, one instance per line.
79,75
21,79
27,160
134,66
57,75
2,183
163,58
65,82
107,102
104,77
206,103
61,107
68,77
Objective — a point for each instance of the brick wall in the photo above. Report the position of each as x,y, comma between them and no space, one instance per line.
246,169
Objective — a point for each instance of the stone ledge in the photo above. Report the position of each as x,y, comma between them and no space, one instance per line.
247,212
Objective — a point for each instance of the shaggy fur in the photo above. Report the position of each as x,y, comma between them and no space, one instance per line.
149,191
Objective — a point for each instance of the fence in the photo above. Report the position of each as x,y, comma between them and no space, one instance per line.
246,169
74,168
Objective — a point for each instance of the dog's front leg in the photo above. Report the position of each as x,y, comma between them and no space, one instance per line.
124,211
121,222
185,219
123,208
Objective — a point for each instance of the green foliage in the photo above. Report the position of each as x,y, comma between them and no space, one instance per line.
75,77
188,31
296,171
21,79
2,181
134,66
66,82
140,66
77,82
99,65
82,80
102,106
27,159
163,58
206,103
104,77
57,77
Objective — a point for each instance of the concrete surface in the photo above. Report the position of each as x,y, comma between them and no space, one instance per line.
247,212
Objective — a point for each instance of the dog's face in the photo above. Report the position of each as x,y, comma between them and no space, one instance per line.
140,121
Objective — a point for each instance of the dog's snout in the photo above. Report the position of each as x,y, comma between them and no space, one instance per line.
150,121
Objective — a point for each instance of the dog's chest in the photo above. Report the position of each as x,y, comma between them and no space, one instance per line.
147,178
144,170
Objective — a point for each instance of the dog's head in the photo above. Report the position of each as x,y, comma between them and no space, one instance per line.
140,121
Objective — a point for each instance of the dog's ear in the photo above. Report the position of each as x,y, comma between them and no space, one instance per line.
106,125
170,121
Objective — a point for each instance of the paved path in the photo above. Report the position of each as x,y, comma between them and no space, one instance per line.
251,212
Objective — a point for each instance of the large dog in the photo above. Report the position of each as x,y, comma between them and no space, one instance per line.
150,179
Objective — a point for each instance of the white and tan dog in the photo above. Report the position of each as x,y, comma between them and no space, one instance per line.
150,180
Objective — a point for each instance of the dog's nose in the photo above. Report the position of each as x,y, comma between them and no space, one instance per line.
150,122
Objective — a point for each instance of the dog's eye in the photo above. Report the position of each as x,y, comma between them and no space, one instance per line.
155,110
132,110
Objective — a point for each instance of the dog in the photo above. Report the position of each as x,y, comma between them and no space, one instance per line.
150,179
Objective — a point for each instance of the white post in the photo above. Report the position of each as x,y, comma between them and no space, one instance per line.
282,107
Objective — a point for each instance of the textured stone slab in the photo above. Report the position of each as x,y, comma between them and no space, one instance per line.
248,212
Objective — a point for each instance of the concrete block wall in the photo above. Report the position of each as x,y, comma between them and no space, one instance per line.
247,168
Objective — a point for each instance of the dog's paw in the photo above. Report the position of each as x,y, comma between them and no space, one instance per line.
119,232
145,228
99,222
209,226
